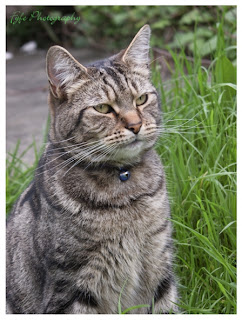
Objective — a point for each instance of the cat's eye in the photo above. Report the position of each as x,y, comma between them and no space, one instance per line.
103,108
141,100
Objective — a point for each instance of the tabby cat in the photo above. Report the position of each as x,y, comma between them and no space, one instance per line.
94,223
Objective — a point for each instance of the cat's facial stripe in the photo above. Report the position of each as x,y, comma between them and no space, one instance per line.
110,94
120,71
121,83
125,81
106,91
107,83
76,125
133,88
129,81
115,77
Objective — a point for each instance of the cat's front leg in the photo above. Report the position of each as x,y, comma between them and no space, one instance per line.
69,301
85,303
81,308
165,298
75,307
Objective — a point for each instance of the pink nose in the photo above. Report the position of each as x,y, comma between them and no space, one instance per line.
134,127
132,121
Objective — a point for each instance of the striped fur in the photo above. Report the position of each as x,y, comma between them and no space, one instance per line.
78,235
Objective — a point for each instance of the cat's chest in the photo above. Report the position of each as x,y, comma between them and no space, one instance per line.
122,234
107,188
109,248
122,262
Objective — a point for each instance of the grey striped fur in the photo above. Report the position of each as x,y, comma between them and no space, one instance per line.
78,235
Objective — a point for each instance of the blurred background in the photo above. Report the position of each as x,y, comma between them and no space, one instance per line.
110,28
98,31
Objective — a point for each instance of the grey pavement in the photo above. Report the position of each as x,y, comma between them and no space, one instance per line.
27,92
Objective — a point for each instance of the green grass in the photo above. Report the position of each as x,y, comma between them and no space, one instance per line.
18,174
198,150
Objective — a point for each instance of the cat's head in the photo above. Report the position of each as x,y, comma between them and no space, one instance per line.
105,112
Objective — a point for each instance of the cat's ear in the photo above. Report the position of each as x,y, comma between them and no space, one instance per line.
62,70
138,50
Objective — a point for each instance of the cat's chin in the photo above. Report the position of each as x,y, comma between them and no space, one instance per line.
131,153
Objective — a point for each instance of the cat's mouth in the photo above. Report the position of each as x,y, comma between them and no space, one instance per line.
131,142
137,145
134,143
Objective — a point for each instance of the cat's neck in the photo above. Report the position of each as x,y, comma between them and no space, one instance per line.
102,185
111,165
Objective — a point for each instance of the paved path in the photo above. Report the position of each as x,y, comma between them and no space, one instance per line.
27,91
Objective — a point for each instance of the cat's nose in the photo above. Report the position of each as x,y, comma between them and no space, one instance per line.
132,121
134,127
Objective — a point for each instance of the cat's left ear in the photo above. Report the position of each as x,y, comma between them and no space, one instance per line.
138,50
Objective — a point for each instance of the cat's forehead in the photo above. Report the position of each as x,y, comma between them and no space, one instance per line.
106,67
100,63
114,68
112,80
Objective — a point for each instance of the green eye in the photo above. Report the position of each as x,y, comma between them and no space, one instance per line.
103,108
141,100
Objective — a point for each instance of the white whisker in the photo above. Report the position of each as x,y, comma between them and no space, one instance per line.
53,142
90,153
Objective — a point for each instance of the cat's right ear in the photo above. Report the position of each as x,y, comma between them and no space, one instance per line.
62,70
